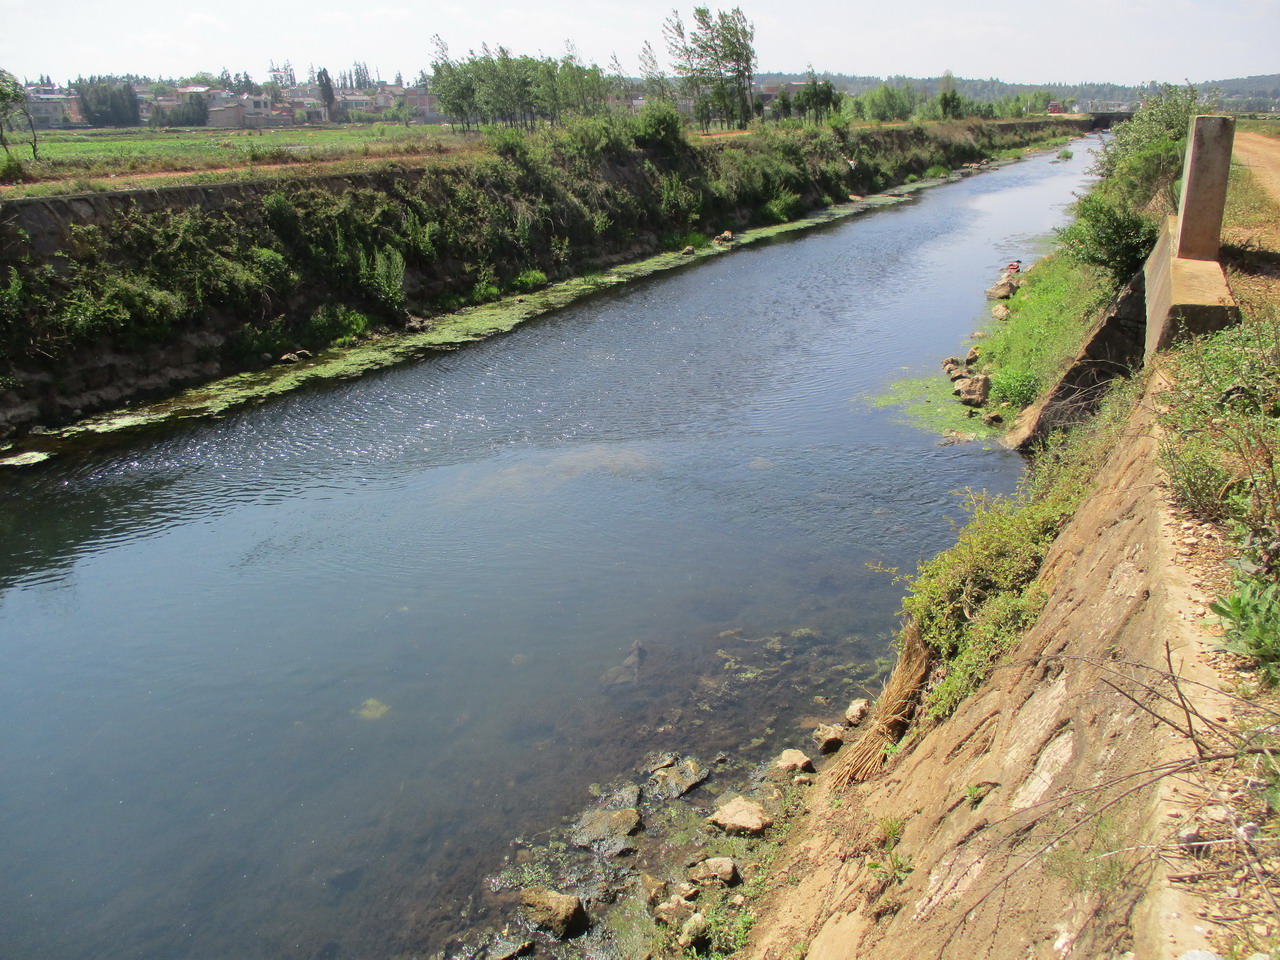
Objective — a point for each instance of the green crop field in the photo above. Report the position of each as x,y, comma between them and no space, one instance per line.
79,160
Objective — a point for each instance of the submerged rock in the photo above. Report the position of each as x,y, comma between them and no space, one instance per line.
678,779
741,816
560,914
653,888
607,829
626,796
627,672
657,761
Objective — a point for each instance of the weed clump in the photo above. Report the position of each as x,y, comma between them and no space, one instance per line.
972,602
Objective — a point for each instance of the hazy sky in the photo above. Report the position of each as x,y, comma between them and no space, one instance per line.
1123,41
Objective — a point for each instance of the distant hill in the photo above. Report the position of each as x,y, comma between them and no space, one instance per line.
1246,93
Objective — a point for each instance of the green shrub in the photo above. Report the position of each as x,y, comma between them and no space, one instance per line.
973,601
1251,615
528,281
1016,387
1139,159
1048,316
12,170
382,276
128,305
508,143
1109,235
784,205
659,127
335,325
937,172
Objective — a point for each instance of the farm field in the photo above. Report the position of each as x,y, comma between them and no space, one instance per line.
83,161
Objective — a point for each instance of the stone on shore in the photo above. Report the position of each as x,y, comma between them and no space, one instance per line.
857,711
793,761
677,779
507,949
715,870
828,737
674,911
741,816
1003,290
694,934
560,914
973,391
654,888
607,829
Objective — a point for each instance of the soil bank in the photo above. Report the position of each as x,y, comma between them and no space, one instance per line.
113,298
1005,805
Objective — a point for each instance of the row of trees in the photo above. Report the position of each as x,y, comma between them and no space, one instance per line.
107,102
494,87
193,112
714,62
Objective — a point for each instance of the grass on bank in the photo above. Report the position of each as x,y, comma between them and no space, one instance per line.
973,602
1222,420
555,204
1048,318
1221,452
1024,354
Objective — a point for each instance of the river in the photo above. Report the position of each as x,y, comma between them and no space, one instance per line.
286,684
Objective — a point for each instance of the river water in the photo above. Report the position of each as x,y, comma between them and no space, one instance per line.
286,684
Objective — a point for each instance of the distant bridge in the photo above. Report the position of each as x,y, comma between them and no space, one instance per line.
1102,119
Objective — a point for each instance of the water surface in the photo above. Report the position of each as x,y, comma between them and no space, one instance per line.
200,634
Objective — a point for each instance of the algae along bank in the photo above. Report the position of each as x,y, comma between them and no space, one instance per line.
288,683
108,298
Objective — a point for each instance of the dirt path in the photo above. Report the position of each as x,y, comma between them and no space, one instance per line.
1261,154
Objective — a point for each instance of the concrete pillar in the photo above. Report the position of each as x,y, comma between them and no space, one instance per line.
1204,187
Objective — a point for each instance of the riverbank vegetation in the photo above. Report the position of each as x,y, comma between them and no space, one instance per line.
1222,423
1055,306
1220,420
308,263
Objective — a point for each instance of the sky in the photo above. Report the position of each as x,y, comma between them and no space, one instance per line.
1119,41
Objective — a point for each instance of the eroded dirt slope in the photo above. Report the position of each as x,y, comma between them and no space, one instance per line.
1028,824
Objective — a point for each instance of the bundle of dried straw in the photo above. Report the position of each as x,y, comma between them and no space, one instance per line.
892,714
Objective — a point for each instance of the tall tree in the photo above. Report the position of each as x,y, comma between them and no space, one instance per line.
13,107
657,85
326,89
949,101
715,61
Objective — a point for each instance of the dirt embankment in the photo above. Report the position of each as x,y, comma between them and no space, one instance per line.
1032,822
